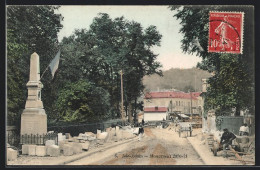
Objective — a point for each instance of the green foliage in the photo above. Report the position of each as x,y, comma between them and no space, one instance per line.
87,83
81,101
15,96
232,86
189,88
111,45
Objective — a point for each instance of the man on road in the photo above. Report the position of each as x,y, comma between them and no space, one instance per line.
141,131
226,140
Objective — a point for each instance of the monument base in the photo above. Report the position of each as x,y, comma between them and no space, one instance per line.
33,121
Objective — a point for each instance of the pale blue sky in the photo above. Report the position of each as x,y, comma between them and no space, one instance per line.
170,53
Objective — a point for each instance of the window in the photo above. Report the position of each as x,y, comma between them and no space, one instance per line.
176,103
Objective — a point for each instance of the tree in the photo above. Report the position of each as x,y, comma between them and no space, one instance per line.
111,45
189,88
29,29
15,96
82,101
232,85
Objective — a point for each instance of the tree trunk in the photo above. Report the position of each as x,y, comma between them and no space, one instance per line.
237,113
130,112
135,109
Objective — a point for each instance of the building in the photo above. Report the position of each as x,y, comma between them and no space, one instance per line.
161,102
155,113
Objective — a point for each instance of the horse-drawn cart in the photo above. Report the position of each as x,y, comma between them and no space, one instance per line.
184,127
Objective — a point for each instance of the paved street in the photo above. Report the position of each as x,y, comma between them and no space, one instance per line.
158,147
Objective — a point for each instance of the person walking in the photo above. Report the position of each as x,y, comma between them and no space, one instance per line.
140,133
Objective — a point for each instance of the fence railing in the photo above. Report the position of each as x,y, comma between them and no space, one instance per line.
16,140
13,139
38,139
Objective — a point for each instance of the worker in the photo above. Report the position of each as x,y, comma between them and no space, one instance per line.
244,130
226,140
176,121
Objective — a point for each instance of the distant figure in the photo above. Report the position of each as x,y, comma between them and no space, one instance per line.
142,121
176,121
140,133
244,130
226,140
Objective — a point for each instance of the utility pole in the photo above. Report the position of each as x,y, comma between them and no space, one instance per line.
171,105
191,104
195,80
122,97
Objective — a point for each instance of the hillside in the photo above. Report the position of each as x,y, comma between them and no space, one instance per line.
180,79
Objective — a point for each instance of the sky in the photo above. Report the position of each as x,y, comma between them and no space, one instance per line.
169,53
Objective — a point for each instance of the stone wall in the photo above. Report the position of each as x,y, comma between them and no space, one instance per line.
232,123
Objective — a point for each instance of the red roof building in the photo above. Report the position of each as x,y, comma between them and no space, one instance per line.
156,104
172,94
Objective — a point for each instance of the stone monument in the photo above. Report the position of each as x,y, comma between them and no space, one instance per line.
34,118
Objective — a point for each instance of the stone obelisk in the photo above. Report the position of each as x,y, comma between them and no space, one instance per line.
34,118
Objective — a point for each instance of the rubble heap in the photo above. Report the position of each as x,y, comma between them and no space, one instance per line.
68,145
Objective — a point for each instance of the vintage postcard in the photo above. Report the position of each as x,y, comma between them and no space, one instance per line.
130,85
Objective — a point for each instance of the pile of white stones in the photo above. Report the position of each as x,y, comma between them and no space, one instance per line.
68,145
11,154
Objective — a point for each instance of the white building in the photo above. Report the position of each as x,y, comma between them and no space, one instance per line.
155,113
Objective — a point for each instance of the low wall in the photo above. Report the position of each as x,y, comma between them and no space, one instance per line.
75,129
232,123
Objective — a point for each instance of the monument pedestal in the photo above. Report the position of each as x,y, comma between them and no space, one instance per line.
33,121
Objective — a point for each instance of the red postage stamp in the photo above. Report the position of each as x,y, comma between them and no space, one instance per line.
226,32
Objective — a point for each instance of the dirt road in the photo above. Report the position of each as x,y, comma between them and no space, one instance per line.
158,147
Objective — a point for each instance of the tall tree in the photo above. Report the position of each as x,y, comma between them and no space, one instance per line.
232,85
111,45
15,79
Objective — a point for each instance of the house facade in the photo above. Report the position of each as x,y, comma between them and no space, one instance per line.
172,101
155,113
